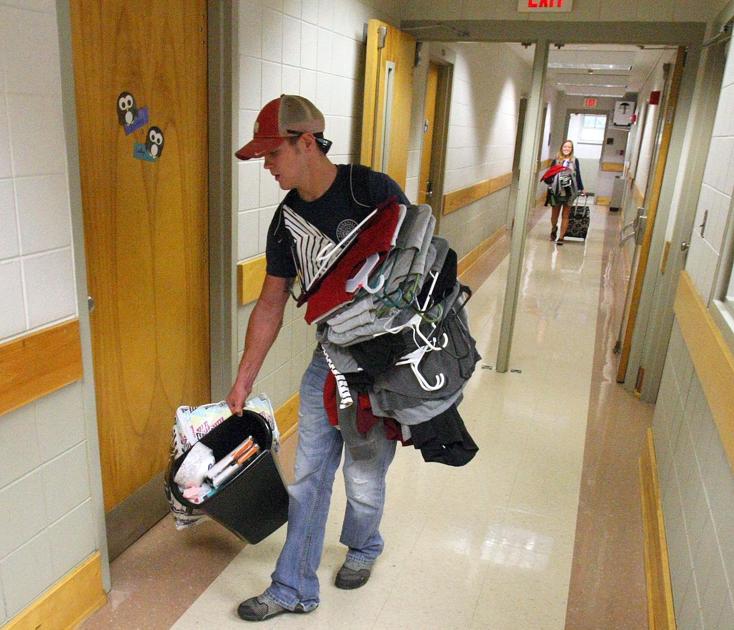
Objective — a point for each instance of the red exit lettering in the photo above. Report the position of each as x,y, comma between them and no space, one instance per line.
545,4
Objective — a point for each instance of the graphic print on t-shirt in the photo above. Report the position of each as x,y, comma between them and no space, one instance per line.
309,243
344,228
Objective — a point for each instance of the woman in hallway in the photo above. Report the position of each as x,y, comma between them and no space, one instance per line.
561,197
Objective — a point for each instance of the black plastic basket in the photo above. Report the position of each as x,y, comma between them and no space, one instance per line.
253,503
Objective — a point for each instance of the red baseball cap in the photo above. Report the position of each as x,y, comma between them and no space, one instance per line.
284,117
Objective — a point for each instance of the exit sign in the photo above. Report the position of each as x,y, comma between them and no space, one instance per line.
591,102
544,6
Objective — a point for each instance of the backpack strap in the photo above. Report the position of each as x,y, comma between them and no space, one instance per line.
359,185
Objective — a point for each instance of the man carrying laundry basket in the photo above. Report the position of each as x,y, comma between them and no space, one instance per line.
330,201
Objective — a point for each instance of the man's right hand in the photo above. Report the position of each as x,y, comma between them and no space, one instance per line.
237,397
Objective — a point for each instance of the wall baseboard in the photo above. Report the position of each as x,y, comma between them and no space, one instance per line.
660,611
68,602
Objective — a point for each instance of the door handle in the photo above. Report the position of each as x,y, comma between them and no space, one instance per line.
90,303
640,229
429,189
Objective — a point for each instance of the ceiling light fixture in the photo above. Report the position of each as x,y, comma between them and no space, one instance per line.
558,65
593,93
592,85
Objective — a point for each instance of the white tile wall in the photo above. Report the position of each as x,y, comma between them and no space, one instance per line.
49,283
34,197
697,488
247,234
27,572
70,472
72,538
5,161
487,84
44,480
13,316
22,512
313,48
716,192
37,134
43,209
60,421
43,460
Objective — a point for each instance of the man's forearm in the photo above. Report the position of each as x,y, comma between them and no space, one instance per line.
262,330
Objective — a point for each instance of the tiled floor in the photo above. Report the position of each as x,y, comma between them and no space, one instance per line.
490,545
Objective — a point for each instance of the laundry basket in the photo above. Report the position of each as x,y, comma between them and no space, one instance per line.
253,503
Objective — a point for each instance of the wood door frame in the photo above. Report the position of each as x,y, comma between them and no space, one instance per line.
222,249
89,395
387,48
445,65
223,77
661,316
430,97
653,193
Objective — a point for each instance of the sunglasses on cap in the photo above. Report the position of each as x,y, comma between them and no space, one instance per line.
323,143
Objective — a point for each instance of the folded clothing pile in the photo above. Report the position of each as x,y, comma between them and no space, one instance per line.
390,319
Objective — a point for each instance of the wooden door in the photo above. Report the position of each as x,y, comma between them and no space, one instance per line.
652,198
425,185
145,223
388,93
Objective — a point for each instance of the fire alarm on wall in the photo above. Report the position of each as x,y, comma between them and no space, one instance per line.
654,97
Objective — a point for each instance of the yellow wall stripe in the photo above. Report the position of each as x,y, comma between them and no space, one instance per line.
614,167
660,611
68,602
287,416
250,278
712,358
38,364
457,199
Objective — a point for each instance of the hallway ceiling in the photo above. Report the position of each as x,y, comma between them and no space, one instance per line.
599,69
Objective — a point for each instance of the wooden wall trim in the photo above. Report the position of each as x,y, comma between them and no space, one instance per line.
612,167
68,602
660,610
39,363
457,199
287,416
712,358
250,278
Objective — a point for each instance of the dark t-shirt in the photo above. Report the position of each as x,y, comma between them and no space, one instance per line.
335,213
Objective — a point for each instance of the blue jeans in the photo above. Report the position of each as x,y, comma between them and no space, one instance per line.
319,453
